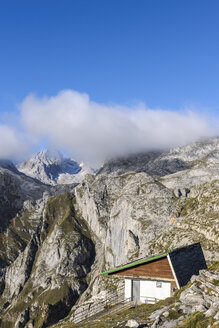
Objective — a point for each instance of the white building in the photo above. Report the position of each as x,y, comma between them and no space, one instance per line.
157,277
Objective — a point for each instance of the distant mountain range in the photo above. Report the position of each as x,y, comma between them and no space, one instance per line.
50,167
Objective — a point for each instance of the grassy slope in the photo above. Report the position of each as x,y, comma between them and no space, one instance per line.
142,313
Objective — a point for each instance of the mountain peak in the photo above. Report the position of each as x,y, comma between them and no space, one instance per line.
50,167
48,156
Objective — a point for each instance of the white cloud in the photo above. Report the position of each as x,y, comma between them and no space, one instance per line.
11,145
71,121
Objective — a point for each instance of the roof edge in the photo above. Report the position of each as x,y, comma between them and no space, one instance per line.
135,263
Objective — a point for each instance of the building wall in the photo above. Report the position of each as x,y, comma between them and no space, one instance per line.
149,288
156,269
128,288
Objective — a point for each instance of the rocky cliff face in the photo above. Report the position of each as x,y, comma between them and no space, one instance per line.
127,212
18,194
47,278
55,240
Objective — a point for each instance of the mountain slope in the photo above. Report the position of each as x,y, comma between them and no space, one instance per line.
54,246
15,189
183,166
46,279
192,306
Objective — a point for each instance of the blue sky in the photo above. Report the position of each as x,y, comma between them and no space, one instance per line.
165,53
162,53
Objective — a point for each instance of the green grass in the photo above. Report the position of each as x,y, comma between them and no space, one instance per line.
110,284
173,315
214,266
145,223
215,282
140,313
197,320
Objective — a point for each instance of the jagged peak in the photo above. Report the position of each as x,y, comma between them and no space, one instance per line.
51,167
47,156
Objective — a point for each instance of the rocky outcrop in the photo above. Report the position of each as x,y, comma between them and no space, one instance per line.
199,299
46,279
18,273
20,196
196,220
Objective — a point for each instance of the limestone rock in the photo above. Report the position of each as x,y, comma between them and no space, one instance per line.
216,317
157,322
22,319
132,324
18,273
124,211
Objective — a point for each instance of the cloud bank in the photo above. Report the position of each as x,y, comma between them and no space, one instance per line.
94,132
11,144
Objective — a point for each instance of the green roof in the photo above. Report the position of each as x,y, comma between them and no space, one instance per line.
129,265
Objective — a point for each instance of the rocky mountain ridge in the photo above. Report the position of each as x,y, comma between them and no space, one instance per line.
188,165
55,240
50,167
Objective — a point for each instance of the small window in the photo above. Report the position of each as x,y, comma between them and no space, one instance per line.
158,284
